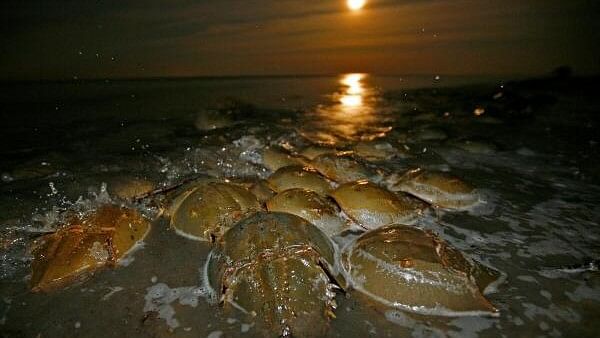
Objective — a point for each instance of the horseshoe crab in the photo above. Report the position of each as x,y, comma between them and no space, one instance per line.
262,191
372,206
343,167
275,268
311,152
375,151
409,269
437,188
275,158
205,211
259,187
311,206
85,244
291,177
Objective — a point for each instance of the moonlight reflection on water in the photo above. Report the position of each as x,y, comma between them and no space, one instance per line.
354,112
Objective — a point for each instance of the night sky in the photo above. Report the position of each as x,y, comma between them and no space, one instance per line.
122,39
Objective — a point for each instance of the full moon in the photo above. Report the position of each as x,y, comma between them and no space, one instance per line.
356,4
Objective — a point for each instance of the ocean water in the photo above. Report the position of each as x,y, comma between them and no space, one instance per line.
530,147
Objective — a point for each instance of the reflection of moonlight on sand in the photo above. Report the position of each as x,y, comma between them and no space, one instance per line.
356,4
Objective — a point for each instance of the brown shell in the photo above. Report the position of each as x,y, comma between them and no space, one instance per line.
291,177
172,199
372,206
410,269
270,267
85,244
311,206
262,191
342,168
375,150
258,187
274,231
275,158
438,188
210,209
311,152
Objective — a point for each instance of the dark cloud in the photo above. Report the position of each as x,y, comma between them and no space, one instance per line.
63,39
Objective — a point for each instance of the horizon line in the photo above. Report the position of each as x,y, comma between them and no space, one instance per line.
507,77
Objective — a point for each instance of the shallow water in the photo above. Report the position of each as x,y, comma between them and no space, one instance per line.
529,147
